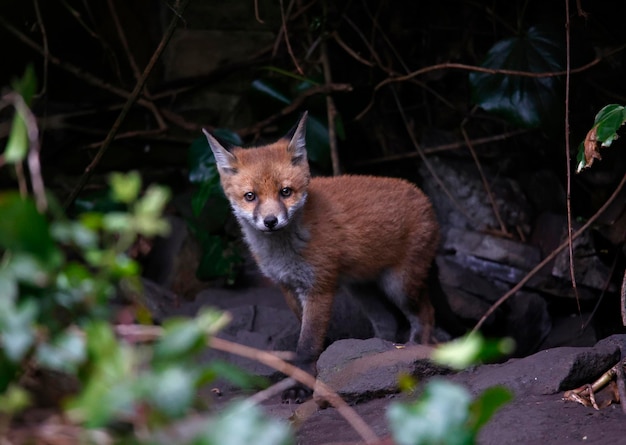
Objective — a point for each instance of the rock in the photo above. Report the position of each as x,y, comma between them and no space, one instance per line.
491,248
524,316
528,322
546,372
359,370
462,181
589,269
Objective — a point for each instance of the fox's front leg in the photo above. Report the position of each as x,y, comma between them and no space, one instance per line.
316,312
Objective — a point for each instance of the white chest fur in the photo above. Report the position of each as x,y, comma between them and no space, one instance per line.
279,256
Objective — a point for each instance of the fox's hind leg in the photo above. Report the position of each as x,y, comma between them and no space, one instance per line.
406,288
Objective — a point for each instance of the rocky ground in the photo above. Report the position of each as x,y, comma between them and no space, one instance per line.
365,371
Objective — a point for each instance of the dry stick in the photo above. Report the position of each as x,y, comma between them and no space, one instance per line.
133,63
494,206
426,162
268,359
621,385
294,105
73,69
623,299
283,17
462,66
44,36
567,161
550,257
142,334
256,12
331,111
443,147
127,106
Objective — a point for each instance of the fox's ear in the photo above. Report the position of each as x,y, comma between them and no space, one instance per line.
297,140
224,159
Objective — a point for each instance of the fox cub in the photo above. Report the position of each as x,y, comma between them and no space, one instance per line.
310,235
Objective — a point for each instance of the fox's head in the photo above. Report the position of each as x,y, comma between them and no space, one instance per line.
265,185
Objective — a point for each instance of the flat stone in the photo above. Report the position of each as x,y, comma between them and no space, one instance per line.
546,372
363,369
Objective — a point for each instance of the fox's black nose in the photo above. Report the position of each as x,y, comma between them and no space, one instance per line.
270,222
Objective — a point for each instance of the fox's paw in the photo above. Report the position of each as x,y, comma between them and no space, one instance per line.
296,394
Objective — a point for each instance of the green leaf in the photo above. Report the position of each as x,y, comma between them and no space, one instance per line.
318,142
26,86
75,233
17,329
484,407
110,387
471,349
23,228
171,390
525,101
8,287
181,337
214,261
233,374
125,187
14,400
244,424
65,353
265,88
201,161
438,417
305,80
17,145
607,122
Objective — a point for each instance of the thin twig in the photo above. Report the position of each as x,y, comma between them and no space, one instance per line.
122,36
78,72
44,38
567,160
323,390
350,51
331,111
442,148
256,12
283,17
550,257
427,163
133,63
494,205
294,105
127,106
480,69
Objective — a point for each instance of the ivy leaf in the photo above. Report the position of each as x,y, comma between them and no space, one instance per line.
23,228
525,101
607,122
604,131
484,407
264,87
244,424
17,145
438,417
125,186
471,349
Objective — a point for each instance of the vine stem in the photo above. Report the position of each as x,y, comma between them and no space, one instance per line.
134,95
568,169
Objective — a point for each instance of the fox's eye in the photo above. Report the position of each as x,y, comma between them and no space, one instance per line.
285,192
250,196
